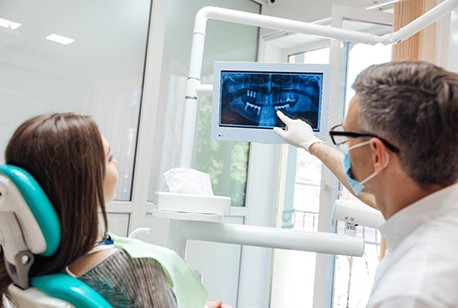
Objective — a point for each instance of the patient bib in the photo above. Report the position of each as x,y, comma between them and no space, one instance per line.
188,289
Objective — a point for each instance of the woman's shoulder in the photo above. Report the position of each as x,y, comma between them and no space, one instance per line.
122,263
135,280
95,257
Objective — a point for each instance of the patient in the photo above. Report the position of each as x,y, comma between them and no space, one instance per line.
72,162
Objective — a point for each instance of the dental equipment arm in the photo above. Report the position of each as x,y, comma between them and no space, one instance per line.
198,42
358,214
321,242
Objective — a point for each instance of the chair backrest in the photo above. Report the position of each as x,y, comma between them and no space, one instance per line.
29,225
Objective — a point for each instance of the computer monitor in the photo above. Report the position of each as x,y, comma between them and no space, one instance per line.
246,96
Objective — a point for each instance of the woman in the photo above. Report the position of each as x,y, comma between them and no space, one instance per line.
72,162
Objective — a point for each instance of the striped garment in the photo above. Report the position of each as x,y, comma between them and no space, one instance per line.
127,282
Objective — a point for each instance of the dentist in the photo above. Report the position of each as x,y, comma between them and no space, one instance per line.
399,154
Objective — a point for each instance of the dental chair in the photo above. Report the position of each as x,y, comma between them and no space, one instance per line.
29,226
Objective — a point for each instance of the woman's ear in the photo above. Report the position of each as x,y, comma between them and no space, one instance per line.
379,154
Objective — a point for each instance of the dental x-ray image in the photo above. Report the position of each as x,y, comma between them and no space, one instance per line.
252,98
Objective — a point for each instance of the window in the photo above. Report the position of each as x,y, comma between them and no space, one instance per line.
353,277
294,271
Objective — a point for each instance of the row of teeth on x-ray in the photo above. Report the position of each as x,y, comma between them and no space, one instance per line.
257,108
279,105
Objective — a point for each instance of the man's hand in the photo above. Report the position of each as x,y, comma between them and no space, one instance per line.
296,132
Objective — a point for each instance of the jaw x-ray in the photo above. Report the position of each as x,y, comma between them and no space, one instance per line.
253,98
247,96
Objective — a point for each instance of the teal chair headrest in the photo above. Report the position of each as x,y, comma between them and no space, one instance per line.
27,190
39,204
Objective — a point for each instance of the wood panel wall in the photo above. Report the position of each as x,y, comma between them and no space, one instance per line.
421,46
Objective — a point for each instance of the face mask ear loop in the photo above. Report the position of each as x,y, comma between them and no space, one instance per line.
370,177
358,145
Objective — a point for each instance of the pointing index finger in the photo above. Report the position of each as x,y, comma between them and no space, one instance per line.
285,119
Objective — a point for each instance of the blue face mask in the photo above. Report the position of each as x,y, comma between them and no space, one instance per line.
357,186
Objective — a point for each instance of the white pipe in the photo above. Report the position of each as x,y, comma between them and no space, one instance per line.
277,23
189,124
204,89
420,23
190,111
197,54
320,242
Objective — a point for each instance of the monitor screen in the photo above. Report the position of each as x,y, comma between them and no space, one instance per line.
247,95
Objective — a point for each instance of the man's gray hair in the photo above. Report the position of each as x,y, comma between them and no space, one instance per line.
414,105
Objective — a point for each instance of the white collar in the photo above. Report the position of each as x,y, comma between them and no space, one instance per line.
404,222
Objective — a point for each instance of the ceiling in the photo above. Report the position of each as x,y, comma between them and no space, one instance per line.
311,10
84,20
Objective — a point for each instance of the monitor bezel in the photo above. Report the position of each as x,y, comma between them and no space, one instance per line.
257,134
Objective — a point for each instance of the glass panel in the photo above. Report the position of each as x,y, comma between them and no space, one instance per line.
358,61
296,269
225,162
100,73
354,291
353,277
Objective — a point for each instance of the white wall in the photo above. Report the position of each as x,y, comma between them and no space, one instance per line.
99,74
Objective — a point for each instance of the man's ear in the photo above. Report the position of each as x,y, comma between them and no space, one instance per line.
379,154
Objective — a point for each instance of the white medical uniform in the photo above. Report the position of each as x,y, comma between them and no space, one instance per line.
421,265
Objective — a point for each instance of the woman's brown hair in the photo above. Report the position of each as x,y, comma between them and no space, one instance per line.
64,153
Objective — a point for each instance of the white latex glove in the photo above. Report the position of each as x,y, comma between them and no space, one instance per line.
296,132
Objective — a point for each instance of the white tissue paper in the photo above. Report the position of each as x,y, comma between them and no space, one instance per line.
190,192
188,181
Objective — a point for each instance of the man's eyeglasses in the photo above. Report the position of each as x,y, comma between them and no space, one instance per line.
340,136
